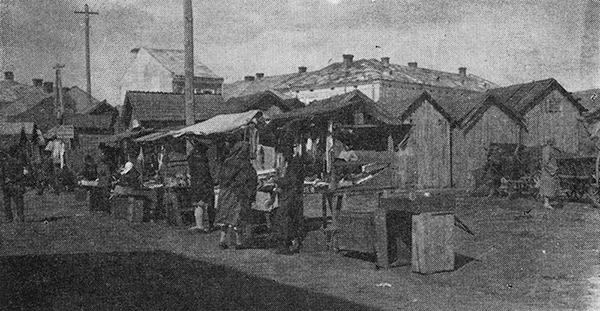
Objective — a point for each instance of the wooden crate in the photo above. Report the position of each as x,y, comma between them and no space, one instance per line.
432,248
127,208
356,232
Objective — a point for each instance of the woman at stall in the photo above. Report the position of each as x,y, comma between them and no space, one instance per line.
237,182
288,220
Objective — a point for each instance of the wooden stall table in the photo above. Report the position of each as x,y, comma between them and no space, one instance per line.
92,202
385,228
177,201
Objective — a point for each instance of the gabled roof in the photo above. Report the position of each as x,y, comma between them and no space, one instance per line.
332,105
405,101
173,60
80,100
254,101
16,98
523,97
476,114
87,121
458,103
360,72
267,83
159,106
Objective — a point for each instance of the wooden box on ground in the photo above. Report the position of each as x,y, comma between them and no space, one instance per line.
127,208
432,248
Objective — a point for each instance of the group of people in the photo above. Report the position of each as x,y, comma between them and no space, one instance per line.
238,182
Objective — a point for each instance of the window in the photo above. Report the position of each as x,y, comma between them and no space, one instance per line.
553,105
359,118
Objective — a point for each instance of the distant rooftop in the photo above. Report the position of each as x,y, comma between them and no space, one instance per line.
350,72
173,60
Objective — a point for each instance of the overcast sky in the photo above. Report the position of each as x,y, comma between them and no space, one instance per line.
503,41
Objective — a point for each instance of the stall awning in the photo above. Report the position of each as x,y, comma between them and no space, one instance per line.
125,135
220,124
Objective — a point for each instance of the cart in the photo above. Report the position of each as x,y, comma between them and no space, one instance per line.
577,179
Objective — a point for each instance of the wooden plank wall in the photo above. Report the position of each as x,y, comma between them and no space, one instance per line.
563,125
470,147
430,144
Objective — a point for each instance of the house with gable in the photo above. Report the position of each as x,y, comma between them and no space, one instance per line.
548,111
162,70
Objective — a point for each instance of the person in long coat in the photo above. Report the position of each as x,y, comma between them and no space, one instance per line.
288,222
12,177
201,182
549,183
105,181
238,183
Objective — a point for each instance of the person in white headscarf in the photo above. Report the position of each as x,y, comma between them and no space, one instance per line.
130,177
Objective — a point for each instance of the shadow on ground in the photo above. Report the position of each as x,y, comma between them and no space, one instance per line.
145,281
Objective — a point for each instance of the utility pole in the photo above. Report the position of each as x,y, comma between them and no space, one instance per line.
188,46
58,99
87,13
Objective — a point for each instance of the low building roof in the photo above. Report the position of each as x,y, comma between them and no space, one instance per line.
334,104
159,106
87,121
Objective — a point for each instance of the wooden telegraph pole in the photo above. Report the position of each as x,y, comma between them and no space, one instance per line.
188,45
58,98
87,13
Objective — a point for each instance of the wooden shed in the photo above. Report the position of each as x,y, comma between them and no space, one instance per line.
488,123
549,111
426,152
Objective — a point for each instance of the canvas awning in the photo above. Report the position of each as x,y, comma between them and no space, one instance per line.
220,124
127,134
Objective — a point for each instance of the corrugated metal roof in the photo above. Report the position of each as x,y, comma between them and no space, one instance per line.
360,72
173,60
158,106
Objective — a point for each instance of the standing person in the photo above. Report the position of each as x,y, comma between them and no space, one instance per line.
13,173
105,179
238,182
202,185
549,183
288,220
57,152
90,172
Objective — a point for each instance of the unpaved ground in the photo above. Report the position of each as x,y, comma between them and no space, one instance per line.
543,260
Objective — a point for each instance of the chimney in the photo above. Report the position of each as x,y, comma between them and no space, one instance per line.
37,82
348,60
249,78
9,76
462,71
385,60
259,75
412,64
48,86
302,69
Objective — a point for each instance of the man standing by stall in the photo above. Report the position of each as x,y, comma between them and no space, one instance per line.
13,175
